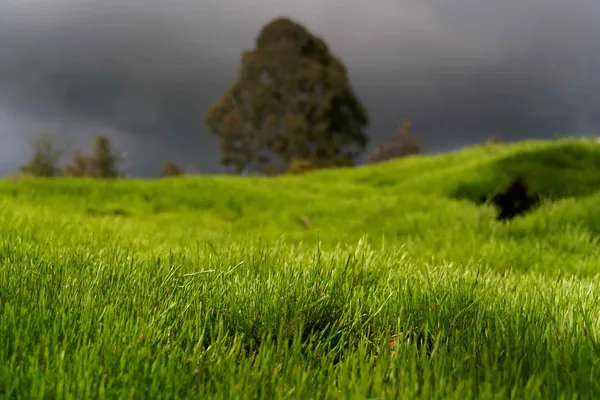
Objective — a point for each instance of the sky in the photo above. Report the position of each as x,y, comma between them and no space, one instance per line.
143,71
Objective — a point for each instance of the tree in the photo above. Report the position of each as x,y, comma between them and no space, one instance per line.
80,167
171,169
292,100
46,157
404,144
101,163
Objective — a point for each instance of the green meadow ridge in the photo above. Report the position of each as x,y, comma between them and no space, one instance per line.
372,282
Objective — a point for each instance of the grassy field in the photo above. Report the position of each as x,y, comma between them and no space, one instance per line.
379,282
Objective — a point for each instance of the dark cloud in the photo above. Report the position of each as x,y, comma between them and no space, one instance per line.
144,71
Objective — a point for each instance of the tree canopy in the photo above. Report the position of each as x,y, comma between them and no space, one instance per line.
292,100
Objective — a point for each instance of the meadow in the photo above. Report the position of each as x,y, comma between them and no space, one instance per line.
384,281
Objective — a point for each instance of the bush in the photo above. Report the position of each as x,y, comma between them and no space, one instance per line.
299,166
491,140
171,169
404,144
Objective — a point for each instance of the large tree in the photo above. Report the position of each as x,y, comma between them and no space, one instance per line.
292,100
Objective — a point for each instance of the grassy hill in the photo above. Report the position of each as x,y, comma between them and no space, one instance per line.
380,281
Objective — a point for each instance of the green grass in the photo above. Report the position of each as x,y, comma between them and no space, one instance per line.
402,287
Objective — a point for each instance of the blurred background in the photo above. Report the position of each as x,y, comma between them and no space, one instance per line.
143,72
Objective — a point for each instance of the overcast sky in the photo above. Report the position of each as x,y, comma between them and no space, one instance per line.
144,71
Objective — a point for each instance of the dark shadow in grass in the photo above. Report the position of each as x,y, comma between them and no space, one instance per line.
518,183
159,209
515,200
310,313
320,321
114,212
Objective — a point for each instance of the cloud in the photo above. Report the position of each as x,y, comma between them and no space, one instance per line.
145,70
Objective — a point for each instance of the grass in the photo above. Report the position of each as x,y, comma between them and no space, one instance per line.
213,287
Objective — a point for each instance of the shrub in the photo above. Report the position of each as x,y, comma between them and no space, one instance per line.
171,169
299,166
405,143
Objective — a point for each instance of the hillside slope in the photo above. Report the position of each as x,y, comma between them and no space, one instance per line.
425,204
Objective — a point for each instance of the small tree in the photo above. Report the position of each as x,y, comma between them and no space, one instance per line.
171,169
101,163
80,167
404,144
46,157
